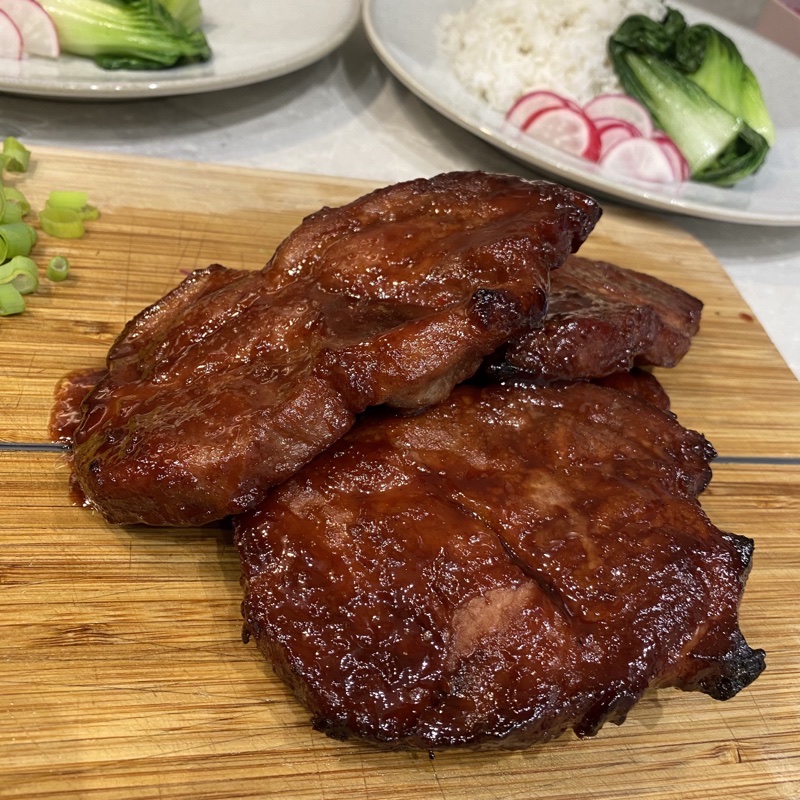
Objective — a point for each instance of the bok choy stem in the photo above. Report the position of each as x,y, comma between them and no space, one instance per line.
125,34
698,91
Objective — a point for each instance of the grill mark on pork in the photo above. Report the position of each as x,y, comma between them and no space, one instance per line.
510,564
235,379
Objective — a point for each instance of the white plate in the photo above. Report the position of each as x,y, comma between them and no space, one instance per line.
251,41
404,35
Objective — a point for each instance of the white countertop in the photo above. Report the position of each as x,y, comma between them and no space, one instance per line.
346,116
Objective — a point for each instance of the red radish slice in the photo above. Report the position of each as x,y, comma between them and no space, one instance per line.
679,164
39,37
604,122
642,159
533,102
10,38
567,129
621,107
615,132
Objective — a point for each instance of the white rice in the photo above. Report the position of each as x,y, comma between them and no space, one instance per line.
501,49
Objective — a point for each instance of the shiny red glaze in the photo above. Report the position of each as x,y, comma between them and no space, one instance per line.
235,379
603,319
503,567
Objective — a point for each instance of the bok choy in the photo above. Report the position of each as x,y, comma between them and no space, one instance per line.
699,92
129,34
187,12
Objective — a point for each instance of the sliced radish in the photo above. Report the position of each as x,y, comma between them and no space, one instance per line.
567,129
533,102
679,164
620,107
10,38
605,122
39,37
612,129
614,132
642,159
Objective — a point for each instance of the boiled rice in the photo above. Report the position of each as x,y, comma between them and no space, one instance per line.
501,49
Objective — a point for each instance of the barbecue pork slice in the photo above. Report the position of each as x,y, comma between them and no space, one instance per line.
236,379
510,564
640,383
602,319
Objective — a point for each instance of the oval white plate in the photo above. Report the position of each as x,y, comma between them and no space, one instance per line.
251,41
404,35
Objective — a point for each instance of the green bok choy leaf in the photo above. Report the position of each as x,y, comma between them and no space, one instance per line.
125,34
699,92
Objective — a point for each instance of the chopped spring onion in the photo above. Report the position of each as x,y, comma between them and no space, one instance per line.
16,263
74,201
14,157
21,272
90,213
58,268
11,301
15,196
10,212
16,239
62,199
62,217
62,223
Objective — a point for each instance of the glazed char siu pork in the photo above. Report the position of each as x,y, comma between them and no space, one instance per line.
507,565
639,383
235,379
602,319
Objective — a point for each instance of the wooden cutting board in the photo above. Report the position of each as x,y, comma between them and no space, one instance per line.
122,674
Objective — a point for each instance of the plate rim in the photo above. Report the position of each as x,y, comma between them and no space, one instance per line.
110,85
620,192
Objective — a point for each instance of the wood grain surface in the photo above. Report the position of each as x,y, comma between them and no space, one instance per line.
122,671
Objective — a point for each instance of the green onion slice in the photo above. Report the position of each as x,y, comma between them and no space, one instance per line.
15,156
58,268
15,196
11,301
90,213
16,264
12,212
61,199
16,239
62,223
76,201
24,282
22,273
